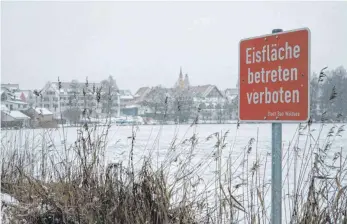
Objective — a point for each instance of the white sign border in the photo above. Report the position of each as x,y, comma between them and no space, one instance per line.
309,78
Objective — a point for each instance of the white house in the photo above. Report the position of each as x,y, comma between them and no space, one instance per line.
43,114
207,94
13,118
58,97
10,98
16,105
125,97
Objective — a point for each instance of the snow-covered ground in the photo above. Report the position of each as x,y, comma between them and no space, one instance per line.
156,141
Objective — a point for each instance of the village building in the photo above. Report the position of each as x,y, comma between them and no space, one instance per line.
58,97
93,100
182,100
13,98
41,118
13,118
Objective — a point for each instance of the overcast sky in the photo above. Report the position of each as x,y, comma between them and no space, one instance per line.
145,43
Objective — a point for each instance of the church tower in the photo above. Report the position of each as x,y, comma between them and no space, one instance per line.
180,81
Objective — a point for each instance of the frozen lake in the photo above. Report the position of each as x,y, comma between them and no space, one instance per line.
171,145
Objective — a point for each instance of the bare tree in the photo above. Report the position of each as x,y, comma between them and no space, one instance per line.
72,114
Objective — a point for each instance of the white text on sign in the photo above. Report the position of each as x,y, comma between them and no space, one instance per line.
271,53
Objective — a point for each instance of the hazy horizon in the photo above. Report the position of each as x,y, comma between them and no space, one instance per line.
146,43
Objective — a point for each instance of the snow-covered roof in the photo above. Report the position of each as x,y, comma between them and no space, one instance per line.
3,107
6,91
142,91
16,101
43,111
66,86
16,114
202,91
127,97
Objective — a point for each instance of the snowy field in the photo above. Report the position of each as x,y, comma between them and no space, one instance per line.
245,146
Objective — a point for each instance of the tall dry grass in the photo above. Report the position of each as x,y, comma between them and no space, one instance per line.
74,184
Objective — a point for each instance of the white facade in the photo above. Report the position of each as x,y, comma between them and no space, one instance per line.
43,114
58,100
15,105
10,97
208,95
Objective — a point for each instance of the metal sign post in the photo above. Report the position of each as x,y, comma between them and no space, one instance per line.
276,174
276,169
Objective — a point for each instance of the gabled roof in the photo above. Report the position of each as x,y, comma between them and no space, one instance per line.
50,86
160,91
16,115
8,92
15,102
42,111
202,91
192,91
142,91
67,87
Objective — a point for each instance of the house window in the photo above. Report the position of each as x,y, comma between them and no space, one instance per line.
11,107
